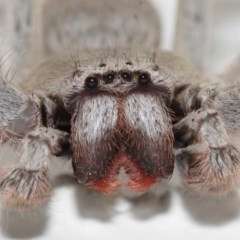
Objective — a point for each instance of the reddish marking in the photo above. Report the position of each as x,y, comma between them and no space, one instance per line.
138,180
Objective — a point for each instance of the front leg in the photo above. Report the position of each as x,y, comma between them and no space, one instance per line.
208,158
28,120
27,184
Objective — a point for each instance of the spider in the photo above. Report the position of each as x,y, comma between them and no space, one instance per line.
125,117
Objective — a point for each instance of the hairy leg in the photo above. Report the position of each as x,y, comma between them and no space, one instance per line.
208,158
27,183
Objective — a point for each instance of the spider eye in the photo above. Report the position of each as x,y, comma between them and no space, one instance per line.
126,75
109,77
91,82
144,78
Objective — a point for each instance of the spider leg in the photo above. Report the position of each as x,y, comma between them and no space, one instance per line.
206,151
227,103
27,183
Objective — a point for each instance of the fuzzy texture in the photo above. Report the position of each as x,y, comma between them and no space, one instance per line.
122,114
207,152
27,184
27,110
93,127
10,97
209,161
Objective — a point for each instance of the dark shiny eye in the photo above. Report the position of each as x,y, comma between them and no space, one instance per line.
109,77
144,78
91,82
126,75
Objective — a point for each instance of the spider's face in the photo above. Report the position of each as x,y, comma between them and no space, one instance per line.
121,128
119,76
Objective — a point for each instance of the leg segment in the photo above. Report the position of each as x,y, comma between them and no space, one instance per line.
22,118
209,161
27,185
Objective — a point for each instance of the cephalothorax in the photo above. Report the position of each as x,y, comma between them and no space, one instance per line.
123,114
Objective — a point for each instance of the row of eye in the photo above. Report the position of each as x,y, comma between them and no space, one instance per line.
143,78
